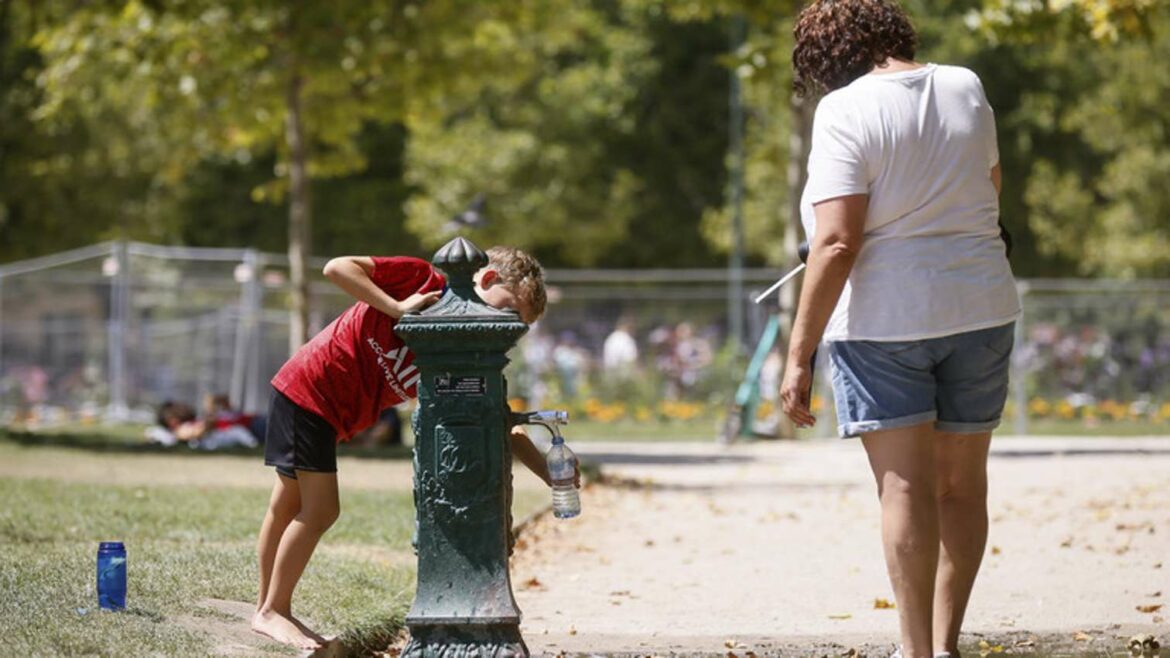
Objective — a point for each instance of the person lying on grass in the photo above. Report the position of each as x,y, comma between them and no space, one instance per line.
336,385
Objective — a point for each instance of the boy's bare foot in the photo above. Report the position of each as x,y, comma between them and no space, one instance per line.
308,631
283,630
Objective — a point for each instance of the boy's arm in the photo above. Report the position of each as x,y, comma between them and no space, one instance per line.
353,274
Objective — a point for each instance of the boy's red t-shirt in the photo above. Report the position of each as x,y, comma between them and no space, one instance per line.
357,366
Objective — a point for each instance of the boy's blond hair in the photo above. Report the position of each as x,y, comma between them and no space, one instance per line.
522,274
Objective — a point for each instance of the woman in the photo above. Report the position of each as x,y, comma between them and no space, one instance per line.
908,282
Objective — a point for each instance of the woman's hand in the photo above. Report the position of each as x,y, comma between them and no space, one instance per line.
795,390
418,301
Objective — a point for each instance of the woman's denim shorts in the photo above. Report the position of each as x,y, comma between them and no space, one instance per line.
958,382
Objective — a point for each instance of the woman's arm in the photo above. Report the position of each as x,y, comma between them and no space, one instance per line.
834,248
353,275
524,450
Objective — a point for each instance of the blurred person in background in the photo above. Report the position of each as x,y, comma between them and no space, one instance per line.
619,353
692,354
908,282
571,362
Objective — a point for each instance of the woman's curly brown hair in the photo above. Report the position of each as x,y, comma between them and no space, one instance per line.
838,41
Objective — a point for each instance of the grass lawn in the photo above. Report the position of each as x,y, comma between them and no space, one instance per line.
189,523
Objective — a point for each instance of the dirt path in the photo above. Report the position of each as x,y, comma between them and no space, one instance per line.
775,548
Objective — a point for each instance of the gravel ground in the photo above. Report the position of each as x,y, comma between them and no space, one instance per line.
773,548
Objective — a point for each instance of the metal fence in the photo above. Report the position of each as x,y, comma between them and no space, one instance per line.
114,329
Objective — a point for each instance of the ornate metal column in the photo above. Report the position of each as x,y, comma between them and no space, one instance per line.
463,604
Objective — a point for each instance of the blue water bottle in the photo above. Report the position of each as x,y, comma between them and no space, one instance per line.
111,575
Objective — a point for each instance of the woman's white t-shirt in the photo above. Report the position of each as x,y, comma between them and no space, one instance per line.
921,144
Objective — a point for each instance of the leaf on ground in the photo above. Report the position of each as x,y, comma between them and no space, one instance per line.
572,630
882,604
734,644
1081,636
532,583
986,648
1149,608
841,615
995,550
1025,643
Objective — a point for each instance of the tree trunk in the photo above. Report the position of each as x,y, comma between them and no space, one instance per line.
299,216
800,111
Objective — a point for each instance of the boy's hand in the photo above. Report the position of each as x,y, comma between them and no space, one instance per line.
418,301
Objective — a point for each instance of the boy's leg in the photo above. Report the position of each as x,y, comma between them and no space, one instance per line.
962,510
320,507
283,506
903,464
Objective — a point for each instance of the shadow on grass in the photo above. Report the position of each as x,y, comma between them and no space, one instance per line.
109,443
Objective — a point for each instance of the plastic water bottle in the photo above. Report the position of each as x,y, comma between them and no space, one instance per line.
111,575
562,470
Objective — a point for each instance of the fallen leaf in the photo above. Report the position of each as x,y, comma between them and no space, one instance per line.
1066,543
1025,643
532,583
1149,608
1155,594
572,630
1081,636
841,615
882,604
995,550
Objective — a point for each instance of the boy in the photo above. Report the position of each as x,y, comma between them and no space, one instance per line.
336,385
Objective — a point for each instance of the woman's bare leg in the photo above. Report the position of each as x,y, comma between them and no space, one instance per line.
903,463
962,513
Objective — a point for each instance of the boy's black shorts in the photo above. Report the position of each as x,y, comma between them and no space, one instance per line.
297,439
